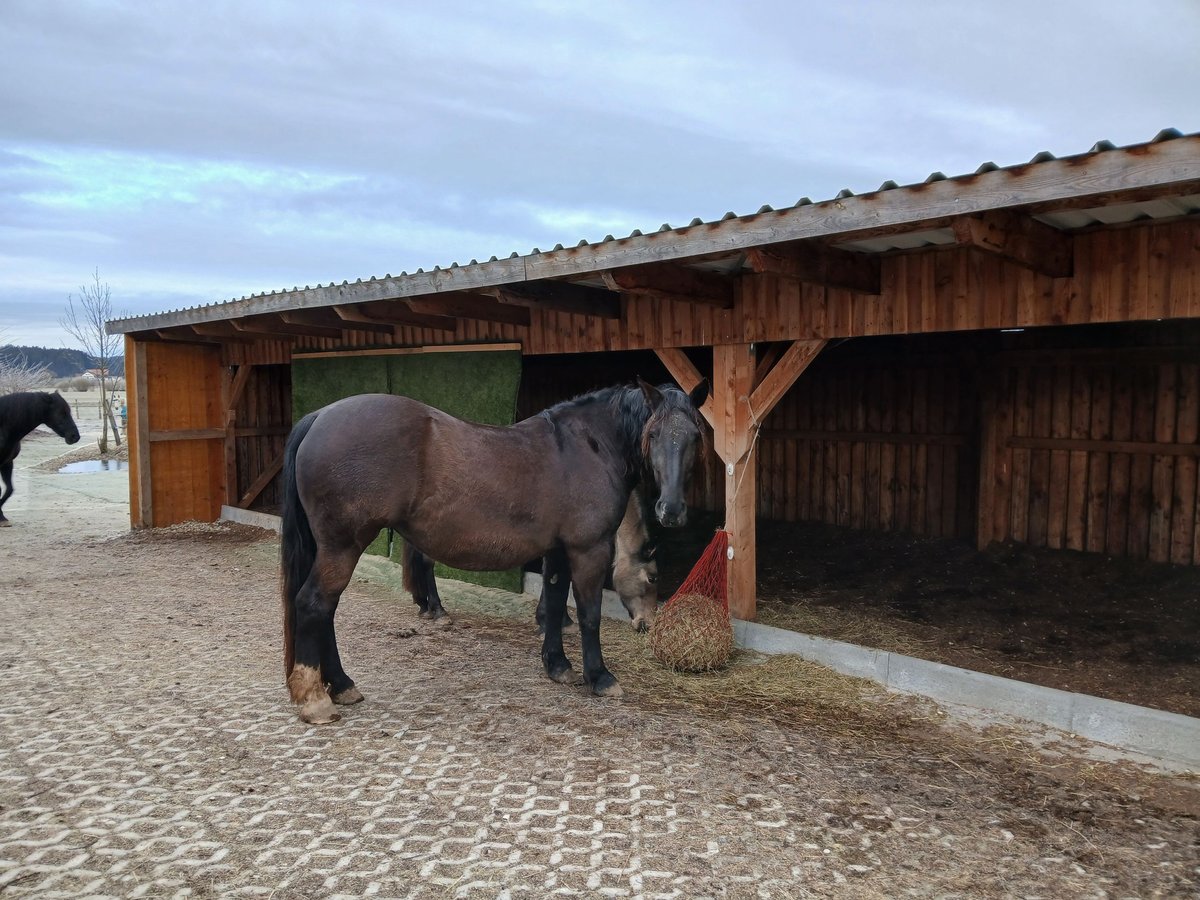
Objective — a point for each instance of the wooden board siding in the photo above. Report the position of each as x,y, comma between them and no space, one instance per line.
266,410
885,445
1111,451
1141,272
185,476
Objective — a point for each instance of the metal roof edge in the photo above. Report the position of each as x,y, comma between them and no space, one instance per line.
1169,158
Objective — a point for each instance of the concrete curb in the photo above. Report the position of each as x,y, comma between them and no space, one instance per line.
250,517
1152,733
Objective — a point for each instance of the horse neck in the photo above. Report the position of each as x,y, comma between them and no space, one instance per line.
20,414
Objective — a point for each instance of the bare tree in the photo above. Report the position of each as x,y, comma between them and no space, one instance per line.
85,323
17,373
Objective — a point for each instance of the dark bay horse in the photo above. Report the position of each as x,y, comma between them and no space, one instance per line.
19,415
475,497
634,573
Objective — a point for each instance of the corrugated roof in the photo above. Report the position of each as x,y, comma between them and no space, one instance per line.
887,219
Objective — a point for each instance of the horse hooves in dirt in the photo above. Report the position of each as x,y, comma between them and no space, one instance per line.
348,697
319,712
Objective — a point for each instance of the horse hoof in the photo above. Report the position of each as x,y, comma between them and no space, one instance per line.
443,620
566,676
319,712
608,687
348,697
4,523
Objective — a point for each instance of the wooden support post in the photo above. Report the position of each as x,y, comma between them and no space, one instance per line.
734,431
141,501
739,410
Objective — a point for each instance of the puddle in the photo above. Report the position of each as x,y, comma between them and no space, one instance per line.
95,465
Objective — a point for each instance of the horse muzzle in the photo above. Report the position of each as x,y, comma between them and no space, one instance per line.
670,515
73,439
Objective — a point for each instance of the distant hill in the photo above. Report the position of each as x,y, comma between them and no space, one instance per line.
61,363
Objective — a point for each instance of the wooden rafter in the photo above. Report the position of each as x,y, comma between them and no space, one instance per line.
391,312
271,326
222,330
326,317
671,281
562,296
469,306
1018,238
818,264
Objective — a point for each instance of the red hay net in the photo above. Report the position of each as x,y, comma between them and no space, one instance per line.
708,574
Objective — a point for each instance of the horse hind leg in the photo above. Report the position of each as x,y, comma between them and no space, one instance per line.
313,637
6,471
434,611
340,685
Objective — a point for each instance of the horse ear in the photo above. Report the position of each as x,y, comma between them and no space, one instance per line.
650,392
699,393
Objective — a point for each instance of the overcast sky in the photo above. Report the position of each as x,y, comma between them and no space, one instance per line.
195,152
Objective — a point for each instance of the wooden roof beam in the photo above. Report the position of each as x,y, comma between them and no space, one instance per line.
273,327
179,335
561,296
818,264
221,330
1020,239
390,313
671,281
466,305
325,317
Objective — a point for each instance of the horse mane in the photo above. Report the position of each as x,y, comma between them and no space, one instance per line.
632,413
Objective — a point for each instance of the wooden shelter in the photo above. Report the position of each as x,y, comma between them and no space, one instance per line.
1011,354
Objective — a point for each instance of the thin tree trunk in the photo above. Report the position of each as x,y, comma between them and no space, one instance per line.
103,417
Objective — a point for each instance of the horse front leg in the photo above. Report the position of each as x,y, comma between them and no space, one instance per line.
313,638
556,584
588,569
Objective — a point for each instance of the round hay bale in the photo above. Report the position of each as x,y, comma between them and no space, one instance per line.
692,633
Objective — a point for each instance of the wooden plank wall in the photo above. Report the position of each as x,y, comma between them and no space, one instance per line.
874,441
1144,271
1097,453
266,406
183,394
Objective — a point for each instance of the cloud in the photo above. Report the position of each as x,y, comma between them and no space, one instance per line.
194,152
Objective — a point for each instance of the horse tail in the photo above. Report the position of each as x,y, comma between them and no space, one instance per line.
408,568
297,547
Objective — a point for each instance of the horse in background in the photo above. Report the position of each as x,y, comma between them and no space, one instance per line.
634,574
20,413
475,497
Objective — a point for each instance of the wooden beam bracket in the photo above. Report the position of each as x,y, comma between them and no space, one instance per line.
1018,238
819,264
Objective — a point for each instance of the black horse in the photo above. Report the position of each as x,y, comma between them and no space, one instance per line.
475,497
19,415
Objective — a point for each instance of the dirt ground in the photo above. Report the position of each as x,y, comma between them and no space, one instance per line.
147,748
1116,628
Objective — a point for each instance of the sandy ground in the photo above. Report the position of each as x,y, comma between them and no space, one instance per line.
147,748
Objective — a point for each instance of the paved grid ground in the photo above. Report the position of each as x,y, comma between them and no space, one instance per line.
147,749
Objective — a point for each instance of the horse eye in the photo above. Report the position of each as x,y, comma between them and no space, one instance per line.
653,579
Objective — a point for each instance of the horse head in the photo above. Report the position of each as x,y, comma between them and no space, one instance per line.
58,417
669,441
